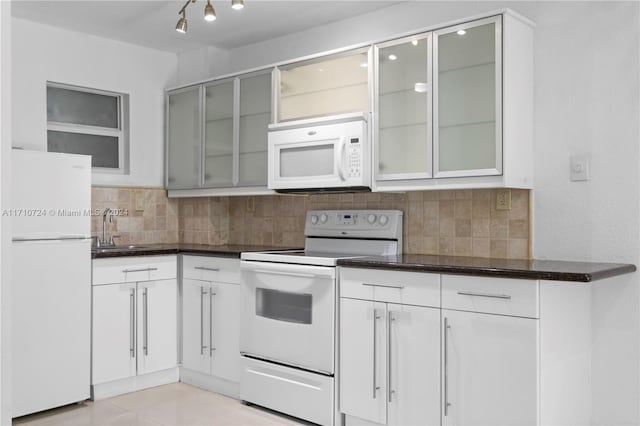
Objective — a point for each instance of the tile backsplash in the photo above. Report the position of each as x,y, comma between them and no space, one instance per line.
457,223
153,219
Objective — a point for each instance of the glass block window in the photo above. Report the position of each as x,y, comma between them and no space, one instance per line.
90,122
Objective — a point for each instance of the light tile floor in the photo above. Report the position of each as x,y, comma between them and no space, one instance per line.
175,404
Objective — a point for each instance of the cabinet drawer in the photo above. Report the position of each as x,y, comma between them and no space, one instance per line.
134,269
411,288
211,269
502,296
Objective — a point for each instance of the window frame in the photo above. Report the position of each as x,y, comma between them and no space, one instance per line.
121,132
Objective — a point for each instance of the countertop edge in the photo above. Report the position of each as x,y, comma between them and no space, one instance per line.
581,277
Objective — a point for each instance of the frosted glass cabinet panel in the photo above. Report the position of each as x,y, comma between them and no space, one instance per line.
218,134
254,119
336,84
184,130
404,108
467,97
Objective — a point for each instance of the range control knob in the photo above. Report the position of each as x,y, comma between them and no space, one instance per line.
314,219
383,219
371,219
323,218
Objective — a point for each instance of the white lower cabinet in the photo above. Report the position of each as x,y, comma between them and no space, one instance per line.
389,363
210,323
114,332
490,369
134,329
210,328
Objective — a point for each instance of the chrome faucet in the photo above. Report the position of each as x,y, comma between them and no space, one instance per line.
108,213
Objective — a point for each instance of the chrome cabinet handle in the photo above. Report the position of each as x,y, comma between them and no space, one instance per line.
494,296
211,348
202,346
132,322
384,285
390,319
289,274
447,404
376,317
204,268
126,271
145,319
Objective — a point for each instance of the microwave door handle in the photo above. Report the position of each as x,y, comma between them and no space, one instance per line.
339,157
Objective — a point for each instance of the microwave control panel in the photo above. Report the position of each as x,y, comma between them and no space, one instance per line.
354,157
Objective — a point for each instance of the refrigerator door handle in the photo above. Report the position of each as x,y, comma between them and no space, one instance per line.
54,238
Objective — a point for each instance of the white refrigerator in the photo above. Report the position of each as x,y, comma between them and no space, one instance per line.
51,279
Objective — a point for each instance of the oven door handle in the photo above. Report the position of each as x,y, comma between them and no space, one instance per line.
289,274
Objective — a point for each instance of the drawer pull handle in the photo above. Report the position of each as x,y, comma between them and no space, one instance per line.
494,296
126,271
384,285
204,268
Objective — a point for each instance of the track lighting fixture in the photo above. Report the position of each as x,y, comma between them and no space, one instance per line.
209,13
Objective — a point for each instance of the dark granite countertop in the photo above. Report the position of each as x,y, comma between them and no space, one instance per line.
506,268
229,250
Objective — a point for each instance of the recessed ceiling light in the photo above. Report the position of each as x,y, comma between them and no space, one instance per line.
414,42
461,32
392,57
364,65
321,69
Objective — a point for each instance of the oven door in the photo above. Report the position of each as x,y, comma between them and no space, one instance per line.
287,314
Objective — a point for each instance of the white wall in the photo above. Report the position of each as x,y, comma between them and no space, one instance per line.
587,102
43,53
5,221
200,64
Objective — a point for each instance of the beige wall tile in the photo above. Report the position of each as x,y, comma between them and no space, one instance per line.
461,222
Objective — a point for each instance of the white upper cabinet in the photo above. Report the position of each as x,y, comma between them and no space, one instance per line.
467,97
335,84
454,107
217,137
184,133
218,134
403,108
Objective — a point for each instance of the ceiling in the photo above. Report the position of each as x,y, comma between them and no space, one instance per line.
152,23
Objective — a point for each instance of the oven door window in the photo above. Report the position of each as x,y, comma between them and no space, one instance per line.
284,306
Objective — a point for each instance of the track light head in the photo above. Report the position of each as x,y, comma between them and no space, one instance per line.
181,26
209,12
237,4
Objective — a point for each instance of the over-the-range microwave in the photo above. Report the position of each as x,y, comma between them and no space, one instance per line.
326,154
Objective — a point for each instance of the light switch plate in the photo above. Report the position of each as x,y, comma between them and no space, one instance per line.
579,168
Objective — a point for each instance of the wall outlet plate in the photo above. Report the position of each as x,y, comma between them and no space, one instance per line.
139,201
503,199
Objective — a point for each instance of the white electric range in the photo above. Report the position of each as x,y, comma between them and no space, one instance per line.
289,313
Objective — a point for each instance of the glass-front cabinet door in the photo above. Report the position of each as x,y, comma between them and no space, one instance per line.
218,134
254,115
184,132
403,120
467,99
335,84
